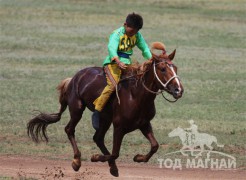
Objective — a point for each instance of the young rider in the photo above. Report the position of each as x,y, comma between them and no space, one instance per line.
120,45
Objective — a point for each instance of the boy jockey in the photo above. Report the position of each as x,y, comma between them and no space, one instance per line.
121,43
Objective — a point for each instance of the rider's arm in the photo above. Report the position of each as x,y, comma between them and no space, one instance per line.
113,44
142,45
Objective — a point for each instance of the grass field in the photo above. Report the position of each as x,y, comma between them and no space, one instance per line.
45,41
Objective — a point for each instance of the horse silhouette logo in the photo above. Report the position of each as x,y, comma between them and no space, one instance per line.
191,139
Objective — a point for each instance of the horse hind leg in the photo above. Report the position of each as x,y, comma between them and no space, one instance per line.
148,133
75,114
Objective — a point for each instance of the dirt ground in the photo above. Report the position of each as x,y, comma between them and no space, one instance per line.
39,168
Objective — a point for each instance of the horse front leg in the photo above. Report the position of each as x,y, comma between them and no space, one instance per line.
117,140
99,140
148,133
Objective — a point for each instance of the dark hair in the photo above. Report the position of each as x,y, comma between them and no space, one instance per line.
134,20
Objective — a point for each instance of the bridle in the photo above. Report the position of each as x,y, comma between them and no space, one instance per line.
164,85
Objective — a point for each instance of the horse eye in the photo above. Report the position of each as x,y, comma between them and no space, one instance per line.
163,70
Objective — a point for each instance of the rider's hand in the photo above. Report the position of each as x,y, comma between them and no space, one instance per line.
119,63
149,61
122,65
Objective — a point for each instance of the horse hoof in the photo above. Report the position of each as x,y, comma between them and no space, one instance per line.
95,158
76,165
139,158
114,172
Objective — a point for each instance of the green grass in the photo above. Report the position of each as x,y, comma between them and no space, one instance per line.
43,42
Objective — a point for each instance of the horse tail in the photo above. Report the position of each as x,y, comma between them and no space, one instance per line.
36,127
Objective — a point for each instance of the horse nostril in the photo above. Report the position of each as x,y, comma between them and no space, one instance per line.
176,91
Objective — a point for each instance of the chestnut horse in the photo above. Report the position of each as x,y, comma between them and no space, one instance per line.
136,92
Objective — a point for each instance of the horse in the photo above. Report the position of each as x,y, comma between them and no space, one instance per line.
136,108
200,139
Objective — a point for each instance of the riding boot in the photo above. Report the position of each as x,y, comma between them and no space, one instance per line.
95,119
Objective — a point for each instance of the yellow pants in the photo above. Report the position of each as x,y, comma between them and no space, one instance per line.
113,73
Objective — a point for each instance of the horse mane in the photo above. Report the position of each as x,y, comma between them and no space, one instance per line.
131,70
157,49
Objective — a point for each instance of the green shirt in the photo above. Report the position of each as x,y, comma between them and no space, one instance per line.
119,42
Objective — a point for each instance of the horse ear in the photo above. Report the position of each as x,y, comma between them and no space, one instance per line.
171,56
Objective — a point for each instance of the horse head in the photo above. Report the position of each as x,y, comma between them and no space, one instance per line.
165,71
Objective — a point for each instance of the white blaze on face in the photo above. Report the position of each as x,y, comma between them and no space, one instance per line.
176,77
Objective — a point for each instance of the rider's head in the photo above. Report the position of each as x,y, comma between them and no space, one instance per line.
134,22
